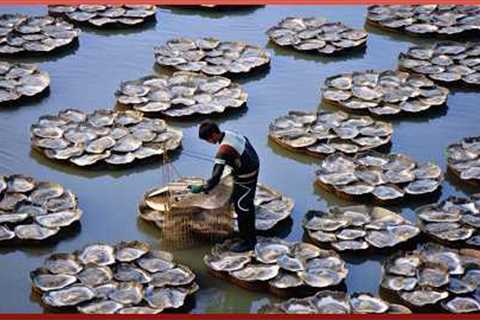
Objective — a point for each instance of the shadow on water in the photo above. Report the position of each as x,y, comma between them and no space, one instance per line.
25,101
459,184
217,12
98,170
39,57
297,156
354,54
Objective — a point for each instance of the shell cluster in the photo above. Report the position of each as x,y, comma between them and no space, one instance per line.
278,266
383,93
19,80
357,228
211,56
382,177
271,207
324,133
34,210
446,62
464,159
316,34
336,302
435,276
432,19
21,33
113,137
454,220
104,15
182,94
126,278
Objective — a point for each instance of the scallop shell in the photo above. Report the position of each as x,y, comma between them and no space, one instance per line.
113,137
105,15
210,56
317,35
384,179
34,34
384,93
182,94
118,278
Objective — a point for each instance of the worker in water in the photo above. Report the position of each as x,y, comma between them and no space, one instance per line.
236,152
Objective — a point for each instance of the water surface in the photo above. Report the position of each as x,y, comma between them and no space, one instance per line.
86,78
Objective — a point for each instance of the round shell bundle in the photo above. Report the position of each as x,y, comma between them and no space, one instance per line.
19,80
336,302
374,176
324,133
22,34
105,15
358,228
464,159
434,277
284,268
432,19
174,207
446,62
32,210
383,93
182,94
113,137
211,56
453,221
103,279
316,35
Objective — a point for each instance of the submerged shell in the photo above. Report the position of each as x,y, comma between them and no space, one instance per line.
385,93
105,15
34,34
210,56
182,94
316,35
385,177
436,20
113,137
114,279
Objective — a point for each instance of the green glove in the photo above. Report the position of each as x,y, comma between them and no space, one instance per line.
196,188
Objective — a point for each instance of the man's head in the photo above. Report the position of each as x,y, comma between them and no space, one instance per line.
210,132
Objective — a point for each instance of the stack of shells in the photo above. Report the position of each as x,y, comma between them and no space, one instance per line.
113,137
278,266
463,160
358,228
36,34
126,278
32,210
20,80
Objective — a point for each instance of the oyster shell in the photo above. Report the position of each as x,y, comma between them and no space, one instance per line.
48,282
99,254
69,296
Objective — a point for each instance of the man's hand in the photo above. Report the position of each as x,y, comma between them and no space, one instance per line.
196,188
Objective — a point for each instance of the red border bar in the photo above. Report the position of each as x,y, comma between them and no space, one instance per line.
240,316
237,2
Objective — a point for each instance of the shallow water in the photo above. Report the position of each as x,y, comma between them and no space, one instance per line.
87,77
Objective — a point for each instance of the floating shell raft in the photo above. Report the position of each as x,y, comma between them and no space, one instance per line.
431,20
32,210
434,277
335,302
22,34
383,93
464,159
126,278
454,221
113,137
316,35
211,56
18,80
181,95
179,213
105,15
284,268
375,176
446,62
358,228
324,133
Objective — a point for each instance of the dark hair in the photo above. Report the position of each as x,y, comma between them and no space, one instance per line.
207,128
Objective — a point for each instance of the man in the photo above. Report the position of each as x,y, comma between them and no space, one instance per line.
236,152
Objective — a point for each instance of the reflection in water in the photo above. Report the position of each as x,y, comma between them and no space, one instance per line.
217,12
40,57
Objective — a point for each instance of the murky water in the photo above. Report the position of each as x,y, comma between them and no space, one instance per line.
86,78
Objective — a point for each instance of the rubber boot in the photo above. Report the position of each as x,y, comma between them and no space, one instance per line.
246,226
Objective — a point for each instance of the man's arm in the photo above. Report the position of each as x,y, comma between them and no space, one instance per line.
217,173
